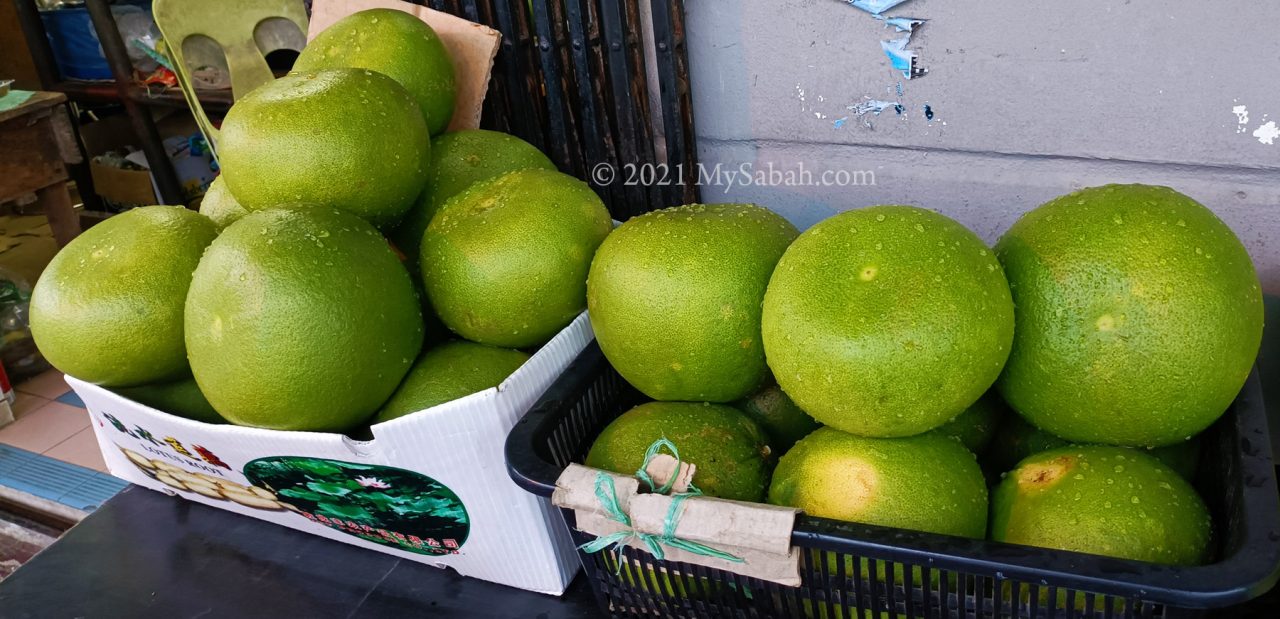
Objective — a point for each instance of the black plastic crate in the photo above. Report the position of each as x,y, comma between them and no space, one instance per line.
924,575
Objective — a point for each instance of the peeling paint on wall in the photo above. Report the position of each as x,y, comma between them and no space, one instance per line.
903,59
902,24
1267,133
875,7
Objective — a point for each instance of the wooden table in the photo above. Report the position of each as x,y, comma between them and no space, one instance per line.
36,143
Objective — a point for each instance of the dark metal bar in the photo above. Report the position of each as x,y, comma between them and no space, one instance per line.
638,84
548,20
469,10
677,108
41,51
596,142
512,64
624,111
114,49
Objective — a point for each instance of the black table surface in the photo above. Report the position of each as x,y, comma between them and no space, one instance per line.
145,554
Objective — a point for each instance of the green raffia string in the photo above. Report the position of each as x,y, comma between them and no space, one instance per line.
608,496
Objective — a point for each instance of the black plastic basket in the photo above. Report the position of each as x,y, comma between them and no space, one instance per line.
921,574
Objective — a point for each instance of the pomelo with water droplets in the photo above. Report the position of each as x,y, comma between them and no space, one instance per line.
347,138
396,44
1102,500
674,297
301,319
109,307
887,320
731,452
1139,316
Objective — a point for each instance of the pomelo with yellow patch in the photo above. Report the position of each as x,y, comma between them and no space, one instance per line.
927,482
1102,500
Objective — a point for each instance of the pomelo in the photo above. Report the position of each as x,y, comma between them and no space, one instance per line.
396,44
976,426
779,416
730,450
448,372
1017,440
1102,500
301,319
347,138
1139,316
887,321
220,206
927,482
182,398
505,262
108,308
459,160
674,297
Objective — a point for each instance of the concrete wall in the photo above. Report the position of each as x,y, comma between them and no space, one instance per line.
1031,99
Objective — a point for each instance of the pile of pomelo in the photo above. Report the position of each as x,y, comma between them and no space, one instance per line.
891,364
282,304
880,361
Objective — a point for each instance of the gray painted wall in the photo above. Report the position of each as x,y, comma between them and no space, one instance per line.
1032,98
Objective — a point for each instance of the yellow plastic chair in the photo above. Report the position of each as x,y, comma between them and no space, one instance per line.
244,31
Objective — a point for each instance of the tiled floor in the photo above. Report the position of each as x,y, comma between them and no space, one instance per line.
51,421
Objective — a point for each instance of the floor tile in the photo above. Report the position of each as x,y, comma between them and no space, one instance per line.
81,449
48,385
72,398
26,404
46,427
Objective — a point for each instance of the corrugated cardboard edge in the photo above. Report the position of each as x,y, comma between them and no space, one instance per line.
533,550
472,47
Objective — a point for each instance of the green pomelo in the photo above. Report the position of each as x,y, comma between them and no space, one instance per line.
927,482
220,206
887,321
108,308
395,44
674,297
976,426
448,372
459,160
301,319
182,398
1017,440
505,262
779,416
1102,500
347,138
730,450
1139,316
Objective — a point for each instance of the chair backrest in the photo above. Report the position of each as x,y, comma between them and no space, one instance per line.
244,30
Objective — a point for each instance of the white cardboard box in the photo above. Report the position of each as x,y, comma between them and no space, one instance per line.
430,487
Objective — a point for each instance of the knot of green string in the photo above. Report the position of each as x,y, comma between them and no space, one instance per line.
608,496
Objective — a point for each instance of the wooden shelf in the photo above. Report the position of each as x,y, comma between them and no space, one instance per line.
214,101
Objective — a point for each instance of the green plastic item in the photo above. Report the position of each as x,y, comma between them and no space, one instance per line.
242,29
